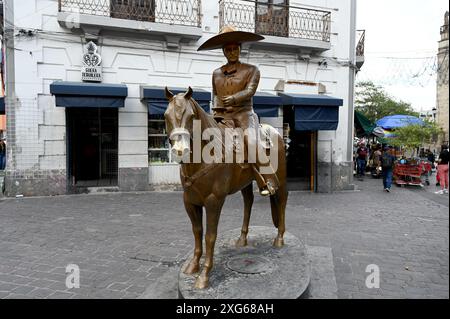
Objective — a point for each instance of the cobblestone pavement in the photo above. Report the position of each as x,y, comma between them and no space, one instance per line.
125,242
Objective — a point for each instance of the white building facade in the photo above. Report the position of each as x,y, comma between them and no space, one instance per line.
429,115
67,134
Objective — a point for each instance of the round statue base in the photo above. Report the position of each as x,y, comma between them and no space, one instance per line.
256,271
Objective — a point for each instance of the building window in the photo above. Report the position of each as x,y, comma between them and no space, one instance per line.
272,17
158,141
141,10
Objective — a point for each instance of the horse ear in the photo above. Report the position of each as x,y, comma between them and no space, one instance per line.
188,94
169,95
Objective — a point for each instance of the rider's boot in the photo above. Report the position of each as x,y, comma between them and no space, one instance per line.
269,189
267,186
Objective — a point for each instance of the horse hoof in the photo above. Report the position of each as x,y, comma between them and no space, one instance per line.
241,242
201,283
278,242
192,269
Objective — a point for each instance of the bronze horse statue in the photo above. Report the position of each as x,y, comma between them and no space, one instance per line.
207,185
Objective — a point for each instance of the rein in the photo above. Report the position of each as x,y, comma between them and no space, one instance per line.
190,180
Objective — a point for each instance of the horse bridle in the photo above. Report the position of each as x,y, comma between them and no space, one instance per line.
179,131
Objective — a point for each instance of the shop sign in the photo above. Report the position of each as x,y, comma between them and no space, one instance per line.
92,69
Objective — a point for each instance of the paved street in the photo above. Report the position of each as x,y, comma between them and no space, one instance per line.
125,243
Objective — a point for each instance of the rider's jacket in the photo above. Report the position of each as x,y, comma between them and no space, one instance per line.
240,81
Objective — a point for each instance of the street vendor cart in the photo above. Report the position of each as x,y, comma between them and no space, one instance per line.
411,173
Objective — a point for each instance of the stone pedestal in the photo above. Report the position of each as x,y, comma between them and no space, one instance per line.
257,271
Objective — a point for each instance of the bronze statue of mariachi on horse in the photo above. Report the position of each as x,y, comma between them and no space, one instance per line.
207,182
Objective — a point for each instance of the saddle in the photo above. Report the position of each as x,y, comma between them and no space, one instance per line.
264,139
265,132
265,136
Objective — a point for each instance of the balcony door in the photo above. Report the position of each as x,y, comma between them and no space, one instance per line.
272,17
140,10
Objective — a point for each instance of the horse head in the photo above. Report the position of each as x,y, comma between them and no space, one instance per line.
179,118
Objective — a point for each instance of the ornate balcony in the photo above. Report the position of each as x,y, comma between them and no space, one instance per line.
279,22
162,17
179,12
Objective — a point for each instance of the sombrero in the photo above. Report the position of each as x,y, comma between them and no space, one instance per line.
227,35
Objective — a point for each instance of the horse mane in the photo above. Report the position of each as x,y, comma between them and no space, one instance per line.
207,119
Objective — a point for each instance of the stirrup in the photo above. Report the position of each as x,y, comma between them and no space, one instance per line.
264,192
268,189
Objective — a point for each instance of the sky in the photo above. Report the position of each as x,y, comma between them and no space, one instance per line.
401,44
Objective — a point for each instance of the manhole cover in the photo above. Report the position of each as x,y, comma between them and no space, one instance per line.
250,264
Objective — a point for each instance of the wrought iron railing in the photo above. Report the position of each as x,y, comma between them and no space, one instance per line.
267,18
361,42
179,12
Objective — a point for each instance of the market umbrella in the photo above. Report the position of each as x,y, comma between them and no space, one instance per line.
383,135
388,133
395,121
379,131
363,125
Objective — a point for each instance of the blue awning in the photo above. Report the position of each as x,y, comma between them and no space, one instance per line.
2,105
310,99
314,112
79,94
266,104
156,100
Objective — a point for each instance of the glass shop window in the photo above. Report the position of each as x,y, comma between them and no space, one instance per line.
158,141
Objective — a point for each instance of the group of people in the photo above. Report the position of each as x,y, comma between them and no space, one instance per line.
442,170
385,158
441,165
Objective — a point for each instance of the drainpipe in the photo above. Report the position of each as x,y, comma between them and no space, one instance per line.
351,85
10,96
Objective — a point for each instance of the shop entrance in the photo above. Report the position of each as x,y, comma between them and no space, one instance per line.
92,146
301,158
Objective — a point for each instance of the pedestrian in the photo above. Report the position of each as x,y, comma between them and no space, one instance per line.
376,161
361,160
377,156
435,167
443,170
387,163
431,159
2,153
438,182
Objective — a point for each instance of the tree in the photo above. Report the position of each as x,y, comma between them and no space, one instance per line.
375,103
411,137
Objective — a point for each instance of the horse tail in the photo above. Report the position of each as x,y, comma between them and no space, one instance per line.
275,210
278,201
